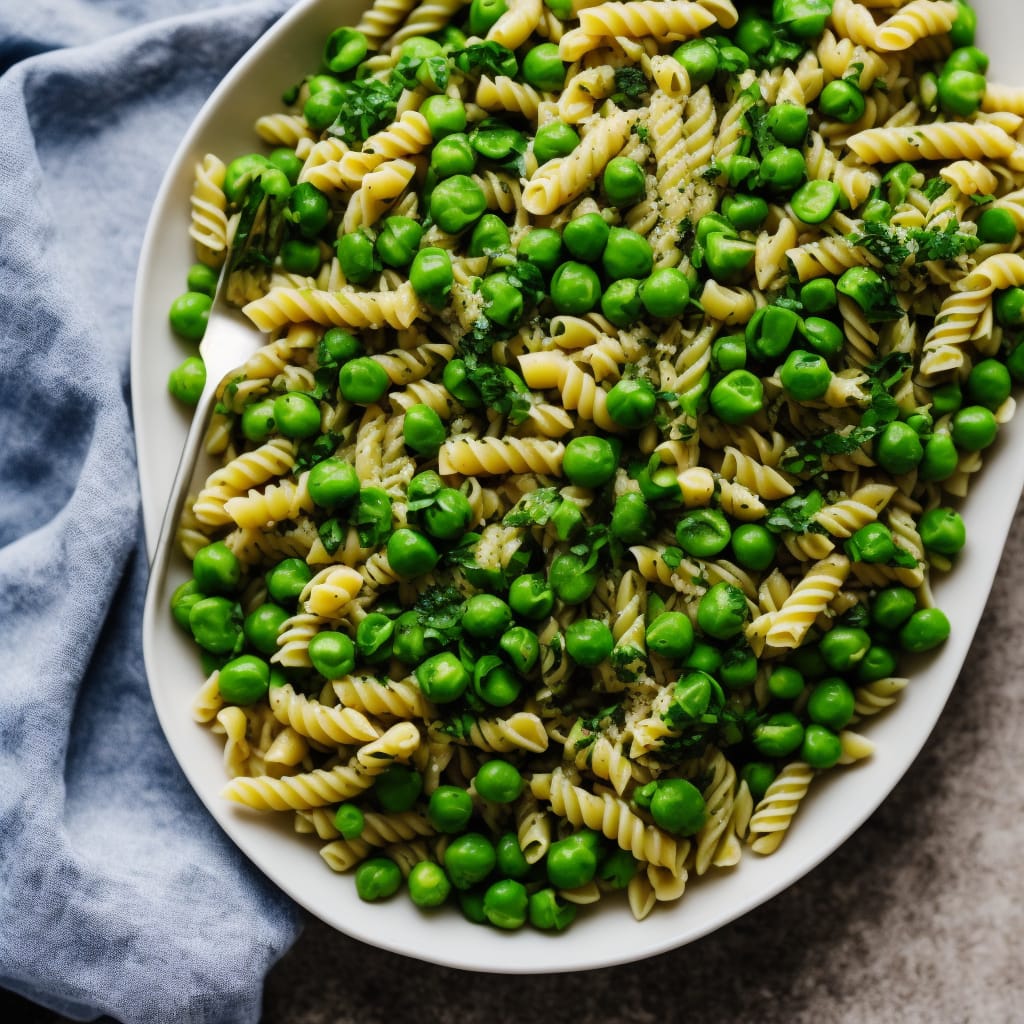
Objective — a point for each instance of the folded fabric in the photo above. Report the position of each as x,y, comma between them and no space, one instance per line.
118,892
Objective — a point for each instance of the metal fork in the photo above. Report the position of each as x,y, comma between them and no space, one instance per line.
229,340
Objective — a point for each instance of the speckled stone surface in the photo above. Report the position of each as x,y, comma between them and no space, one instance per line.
917,919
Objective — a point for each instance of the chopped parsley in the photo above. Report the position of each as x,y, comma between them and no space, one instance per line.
534,509
439,611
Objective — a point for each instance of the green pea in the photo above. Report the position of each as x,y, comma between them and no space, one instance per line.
808,661
805,375
872,543
631,402
503,301
821,747
483,14
344,49
753,546
964,25
456,203
722,611
898,448
410,553
286,580
769,332
788,123
758,775
997,226
589,461
431,275
530,597
819,295
363,381
202,278
822,336
244,680
349,820
333,482
1015,364
442,678
216,569
863,285
444,115
490,236
621,302
449,809
543,68
712,223
974,428
624,181
942,530
296,415
428,885
704,657
989,384
617,869
754,35
571,863
522,648
332,654
678,807
449,516
737,397
423,430
670,635
570,580
240,171
831,703
374,637
410,644
878,663
397,788
802,19
779,735
842,100
783,168
816,201
453,155
726,258
842,647
961,91
308,209
378,878
876,211
627,255
729,353
632,520
745,212
893,606
553,140
589,642
575,289
541,247
322,108
739,668
300,257
499,781
549,913
486,616
786,683
506,904
187,380
469,859
700,58
188,315
471,903
940,458
665,293
586,236
494,682
703,532
398,241
1009,306
338,346
925,630
184,597
262,625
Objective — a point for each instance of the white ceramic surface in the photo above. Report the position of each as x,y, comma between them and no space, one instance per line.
603,935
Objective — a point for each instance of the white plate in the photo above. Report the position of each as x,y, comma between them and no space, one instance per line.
603,935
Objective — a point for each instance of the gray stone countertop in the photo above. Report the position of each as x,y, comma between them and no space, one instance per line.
917,919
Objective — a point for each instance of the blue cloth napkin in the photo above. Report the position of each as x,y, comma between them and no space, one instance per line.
119,895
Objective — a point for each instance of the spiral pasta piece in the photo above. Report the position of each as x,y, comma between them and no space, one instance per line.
318,722
343,308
